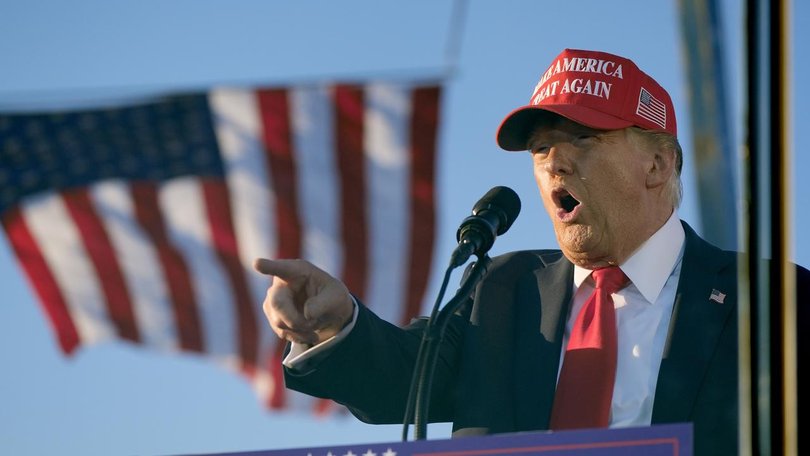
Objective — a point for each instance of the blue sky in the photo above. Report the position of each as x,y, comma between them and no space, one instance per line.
116,399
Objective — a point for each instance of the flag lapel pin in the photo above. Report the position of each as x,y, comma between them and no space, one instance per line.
717,296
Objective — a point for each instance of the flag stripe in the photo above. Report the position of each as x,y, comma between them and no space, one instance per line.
387,112
312,115
39,274
220,218
652,114
140,266
274,108
275,112
239,133
58,239
313,137
424,129
97,245
350,157
183,204
173,266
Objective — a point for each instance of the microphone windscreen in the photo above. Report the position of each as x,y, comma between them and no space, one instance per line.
501,199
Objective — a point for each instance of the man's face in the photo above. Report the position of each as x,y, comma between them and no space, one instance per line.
594,188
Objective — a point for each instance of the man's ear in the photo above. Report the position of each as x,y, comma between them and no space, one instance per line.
661,167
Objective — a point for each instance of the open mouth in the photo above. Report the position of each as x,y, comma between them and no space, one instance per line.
565,201
568,203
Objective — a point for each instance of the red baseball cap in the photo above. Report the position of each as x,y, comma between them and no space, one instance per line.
596,89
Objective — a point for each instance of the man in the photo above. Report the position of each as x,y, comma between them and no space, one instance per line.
634,292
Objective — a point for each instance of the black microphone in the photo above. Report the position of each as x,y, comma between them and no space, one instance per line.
491,216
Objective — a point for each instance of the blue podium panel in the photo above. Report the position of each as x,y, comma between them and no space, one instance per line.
661,440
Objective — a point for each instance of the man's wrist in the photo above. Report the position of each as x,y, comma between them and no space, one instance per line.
303,357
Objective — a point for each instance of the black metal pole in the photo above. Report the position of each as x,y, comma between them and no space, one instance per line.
772,334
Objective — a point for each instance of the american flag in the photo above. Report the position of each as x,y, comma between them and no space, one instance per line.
717,296
651,108
140,223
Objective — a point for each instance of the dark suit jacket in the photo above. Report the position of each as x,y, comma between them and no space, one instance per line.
498,368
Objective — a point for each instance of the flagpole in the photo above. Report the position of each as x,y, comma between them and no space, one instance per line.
455,37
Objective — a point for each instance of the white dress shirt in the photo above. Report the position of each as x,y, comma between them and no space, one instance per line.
643,313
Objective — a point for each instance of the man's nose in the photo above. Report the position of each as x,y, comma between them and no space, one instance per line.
558,161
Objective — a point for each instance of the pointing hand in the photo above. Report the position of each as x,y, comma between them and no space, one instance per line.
304,304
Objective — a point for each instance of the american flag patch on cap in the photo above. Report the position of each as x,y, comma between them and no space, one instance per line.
651,108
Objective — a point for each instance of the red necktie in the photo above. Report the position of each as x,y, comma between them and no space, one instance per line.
585,387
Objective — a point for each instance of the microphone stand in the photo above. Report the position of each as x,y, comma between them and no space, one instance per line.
419,395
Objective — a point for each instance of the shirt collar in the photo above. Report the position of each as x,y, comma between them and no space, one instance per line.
650,266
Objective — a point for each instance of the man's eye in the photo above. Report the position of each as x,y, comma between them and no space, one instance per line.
582,140
539,149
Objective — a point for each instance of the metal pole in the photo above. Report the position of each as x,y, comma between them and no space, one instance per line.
773,425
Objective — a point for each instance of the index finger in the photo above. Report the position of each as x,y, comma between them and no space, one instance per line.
287,270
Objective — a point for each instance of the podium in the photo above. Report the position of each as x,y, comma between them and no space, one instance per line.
659,440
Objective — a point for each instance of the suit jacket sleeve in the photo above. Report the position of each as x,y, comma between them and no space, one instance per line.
370,370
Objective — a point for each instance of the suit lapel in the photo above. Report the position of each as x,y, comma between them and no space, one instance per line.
542,306
698,318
